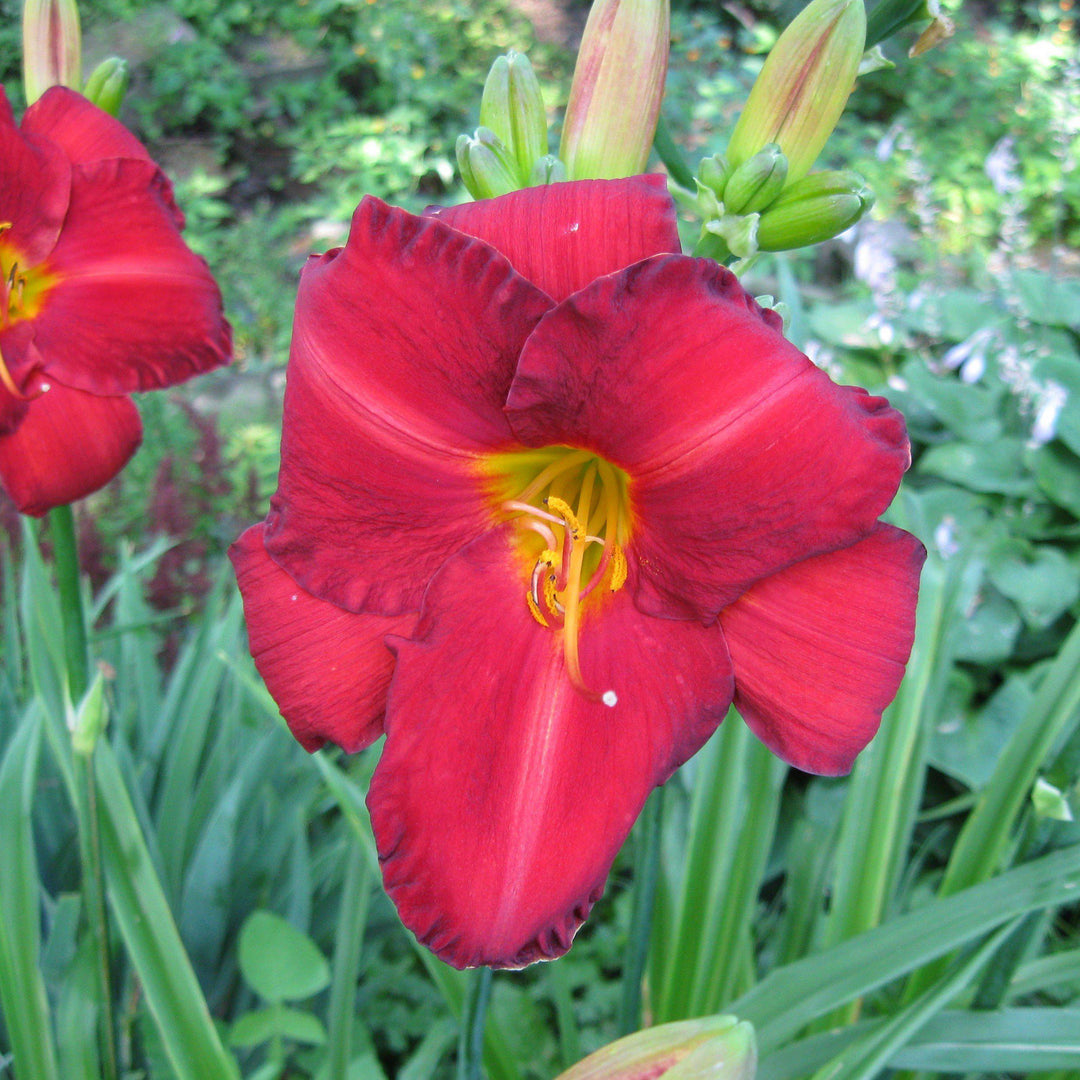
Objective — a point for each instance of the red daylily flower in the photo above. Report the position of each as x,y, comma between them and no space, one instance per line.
99,297
551,496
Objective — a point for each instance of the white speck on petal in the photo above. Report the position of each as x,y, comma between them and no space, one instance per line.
610,698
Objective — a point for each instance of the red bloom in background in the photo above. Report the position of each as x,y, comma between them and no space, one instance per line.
99,297
592,495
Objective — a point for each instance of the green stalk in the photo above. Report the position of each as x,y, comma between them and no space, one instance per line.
471,1041
646,869
66,556
670,154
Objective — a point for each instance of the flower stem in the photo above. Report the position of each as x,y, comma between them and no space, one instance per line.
646,869
66,557
471,1040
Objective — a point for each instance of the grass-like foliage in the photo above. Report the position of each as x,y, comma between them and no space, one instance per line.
918,918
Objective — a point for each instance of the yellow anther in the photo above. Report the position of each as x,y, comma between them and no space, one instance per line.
535,611
551,592
618,568
562,508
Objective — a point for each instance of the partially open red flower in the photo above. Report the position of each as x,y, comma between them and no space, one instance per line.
592,495
99,297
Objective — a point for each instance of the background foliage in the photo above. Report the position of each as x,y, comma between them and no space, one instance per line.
919,915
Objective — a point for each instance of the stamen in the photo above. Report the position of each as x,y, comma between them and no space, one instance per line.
9,382
556,468
544,531
563,496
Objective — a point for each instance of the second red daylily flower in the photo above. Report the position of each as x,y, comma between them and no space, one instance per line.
551,496
99,297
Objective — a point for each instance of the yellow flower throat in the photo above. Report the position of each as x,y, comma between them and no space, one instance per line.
22,290
573,512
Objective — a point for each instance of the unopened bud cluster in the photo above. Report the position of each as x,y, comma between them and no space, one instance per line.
760,195
754,208
509,150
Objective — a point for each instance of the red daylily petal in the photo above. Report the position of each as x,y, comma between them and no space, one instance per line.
563,236
35,180
743,456
67,445
819,649
133,307
503,794
404,344
327,669
83,131
12,411
86,133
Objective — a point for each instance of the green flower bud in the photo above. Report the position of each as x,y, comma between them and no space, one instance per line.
816,208
713,173
107,85
487,167
547,170
618,83
513,108
803,87
755,183
87,722
1050,802
714,1048
52,46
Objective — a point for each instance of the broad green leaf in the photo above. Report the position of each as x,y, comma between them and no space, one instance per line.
278,1021
996,467
969,411
989,632
1050,300
968,746
278,961
1057,470
1039,579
